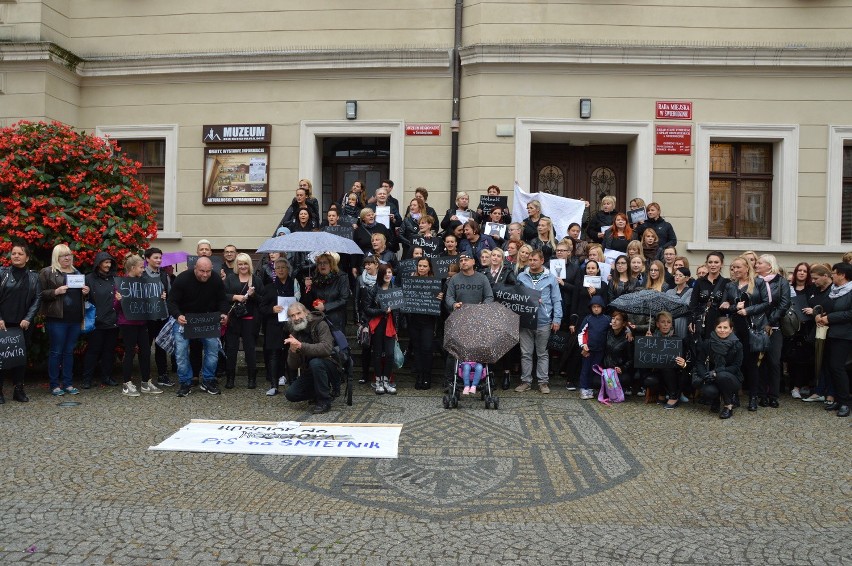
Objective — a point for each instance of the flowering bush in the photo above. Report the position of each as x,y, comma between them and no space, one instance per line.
61,186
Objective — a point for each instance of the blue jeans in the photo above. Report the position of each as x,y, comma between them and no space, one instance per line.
477,373
62,337
208,361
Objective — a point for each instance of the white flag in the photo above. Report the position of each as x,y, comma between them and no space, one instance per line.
562,211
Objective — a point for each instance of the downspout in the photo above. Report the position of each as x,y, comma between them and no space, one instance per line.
455,123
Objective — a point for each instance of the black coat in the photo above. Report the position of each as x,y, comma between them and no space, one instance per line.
335,292
14,301
618,352
598,221
840,317
779,290
233,286
273,329
102,293
664,231
371,308
363,236
291,213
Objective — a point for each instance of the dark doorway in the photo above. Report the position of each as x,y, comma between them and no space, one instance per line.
346,160
580,172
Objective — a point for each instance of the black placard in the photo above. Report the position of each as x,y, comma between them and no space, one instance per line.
421,295
391,298
656,351
342,231
217,261
405,269
141,298
522,300
432,247
441,265
202,325
487,202
13,348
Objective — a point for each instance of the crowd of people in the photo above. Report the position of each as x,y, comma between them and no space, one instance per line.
745,320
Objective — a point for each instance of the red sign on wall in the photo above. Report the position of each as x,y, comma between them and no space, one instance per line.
674,140
674,110
423,129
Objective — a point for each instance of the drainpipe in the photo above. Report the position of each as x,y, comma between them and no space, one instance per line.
455,123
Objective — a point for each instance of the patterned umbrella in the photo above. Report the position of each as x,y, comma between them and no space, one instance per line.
310,242
481,333
650,302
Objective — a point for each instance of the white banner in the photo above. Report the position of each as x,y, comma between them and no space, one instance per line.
348,440
562,211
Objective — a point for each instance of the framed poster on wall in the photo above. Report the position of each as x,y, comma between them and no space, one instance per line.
236,175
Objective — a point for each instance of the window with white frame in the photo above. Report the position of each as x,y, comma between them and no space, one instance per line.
155,146
746,179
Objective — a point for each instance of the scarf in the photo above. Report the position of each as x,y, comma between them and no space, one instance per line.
368,279
837,292
719,346
369,226
767,279
650,252
416,216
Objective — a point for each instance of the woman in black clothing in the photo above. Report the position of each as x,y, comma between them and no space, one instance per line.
778,291
302,200
618,351
20,299
622,281
746,302
364,233
463,206
717,368
531,221
274,351
328,291
619,235
411,225
817,299
421,332
383,323
838,319
707,295
244,291
605,216
672,378
583,294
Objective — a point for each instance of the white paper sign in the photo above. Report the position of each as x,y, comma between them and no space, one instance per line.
611,255
75,280
383,215
558,267
637,216
463,215
298,439
495,229
285,302
605,270
592,281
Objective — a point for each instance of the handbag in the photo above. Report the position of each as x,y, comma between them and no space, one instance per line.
89,317
165,338
238,309
398,356
611,391
790,322
758,339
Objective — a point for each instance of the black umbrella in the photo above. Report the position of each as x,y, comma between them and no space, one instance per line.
648,301
481,333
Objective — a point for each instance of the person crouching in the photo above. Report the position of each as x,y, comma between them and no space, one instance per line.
311,348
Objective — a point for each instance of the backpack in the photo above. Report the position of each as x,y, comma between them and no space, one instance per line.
611,391
790,322
341,351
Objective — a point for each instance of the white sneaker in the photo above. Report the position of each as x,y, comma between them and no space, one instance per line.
272,392
282,380
130,390
389,387
149,387
796,393
586,394
379,386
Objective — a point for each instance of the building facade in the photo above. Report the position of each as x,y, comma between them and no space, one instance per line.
735,115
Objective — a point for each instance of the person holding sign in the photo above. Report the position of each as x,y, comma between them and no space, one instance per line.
63,291
387,213
602,219
285,287
549,318
243,289
461,213
383,323
671,377
20,299
664,231
411,225
421,332
134,334
197,291
586,291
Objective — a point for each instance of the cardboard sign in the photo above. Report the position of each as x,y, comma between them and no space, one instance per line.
487,202
342,231
421,295
522,300
637,216
13,348
202,325
441,265
406,268
217,261
656,351
141,298
392,299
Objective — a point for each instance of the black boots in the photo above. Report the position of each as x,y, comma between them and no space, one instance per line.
19,394
229,382
752,404
507,381
252,382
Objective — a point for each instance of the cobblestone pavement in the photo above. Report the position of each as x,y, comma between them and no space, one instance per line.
545,479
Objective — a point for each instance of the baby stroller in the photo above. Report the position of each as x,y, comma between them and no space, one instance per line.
485,389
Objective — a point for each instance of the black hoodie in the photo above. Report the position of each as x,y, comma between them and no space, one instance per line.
102,292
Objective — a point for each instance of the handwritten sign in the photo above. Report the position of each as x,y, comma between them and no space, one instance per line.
75,280
487,202
521,300
406,268
141,298
656,351
431,246
217,261
13,348
392,299
421,295
202,325
342,231
441,265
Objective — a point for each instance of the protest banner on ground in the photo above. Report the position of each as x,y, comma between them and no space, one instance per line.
520,299
421,295
392,299
202,325
348,440
656,351
13,348
141,298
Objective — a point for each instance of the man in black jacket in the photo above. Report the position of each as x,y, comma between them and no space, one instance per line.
197,291
311,348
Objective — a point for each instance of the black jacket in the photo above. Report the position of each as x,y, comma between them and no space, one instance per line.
756,303
731,362
506,276
618,352
780,292
102,293
274,330
598,221
664,231
233,286
840,317
334,290
371,308
363,236
12,300
291,213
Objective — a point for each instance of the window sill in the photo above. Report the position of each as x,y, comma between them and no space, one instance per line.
169,235
765,246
